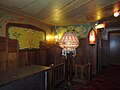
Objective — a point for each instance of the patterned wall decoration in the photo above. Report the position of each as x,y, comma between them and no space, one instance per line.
80,30
7,17
27,38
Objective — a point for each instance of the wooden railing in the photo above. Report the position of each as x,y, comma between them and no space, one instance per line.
82,73
56,74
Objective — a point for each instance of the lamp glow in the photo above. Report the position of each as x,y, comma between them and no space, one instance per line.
56,38
50,39
69,42
100,26
92,37
116,14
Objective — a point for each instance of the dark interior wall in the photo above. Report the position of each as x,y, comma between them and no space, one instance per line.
8,54
82,52
112,25
114,47
110,47
2,54
54,55
12,54
104,53
12,57
113,22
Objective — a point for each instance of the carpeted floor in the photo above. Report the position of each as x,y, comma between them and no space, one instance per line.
109,79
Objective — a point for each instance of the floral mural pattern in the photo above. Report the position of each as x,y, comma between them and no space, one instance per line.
27,38
11,18
80,30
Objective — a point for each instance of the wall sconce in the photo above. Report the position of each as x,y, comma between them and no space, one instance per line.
92,37
50,38
56,38
102,25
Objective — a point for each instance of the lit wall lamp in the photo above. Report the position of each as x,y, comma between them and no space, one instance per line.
116,13
92,37
98,26
50,38
56,38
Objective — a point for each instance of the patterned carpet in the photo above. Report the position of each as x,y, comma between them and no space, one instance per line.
109,79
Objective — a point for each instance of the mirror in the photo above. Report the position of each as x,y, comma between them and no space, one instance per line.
28,36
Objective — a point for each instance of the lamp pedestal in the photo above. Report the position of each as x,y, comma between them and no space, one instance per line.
68,71
69,42
68,67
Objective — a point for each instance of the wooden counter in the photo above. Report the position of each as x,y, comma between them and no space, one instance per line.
32,77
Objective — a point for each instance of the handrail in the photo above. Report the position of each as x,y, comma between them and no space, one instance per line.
53,66
56,74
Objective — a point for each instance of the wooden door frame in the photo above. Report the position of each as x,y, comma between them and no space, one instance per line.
114,31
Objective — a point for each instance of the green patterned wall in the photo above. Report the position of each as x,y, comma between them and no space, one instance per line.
27,38
81,30
7,17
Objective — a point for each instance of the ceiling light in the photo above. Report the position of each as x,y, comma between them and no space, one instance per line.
116,13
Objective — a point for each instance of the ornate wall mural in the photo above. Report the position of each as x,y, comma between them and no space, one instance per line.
11,18
80,30
27,38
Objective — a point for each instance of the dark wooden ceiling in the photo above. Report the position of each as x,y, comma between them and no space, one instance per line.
63,12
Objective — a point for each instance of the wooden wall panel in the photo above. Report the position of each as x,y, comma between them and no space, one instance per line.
54,55
2,44
2,60
32,56
2,53
12,62
12,54
8,54
50,56
41,60
93,58
22,58
81,52
104,53
12,45
28,57
86,54
58,55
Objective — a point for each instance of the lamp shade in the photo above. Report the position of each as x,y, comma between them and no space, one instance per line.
69,41
92,37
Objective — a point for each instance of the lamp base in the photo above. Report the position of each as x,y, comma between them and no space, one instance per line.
66,86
